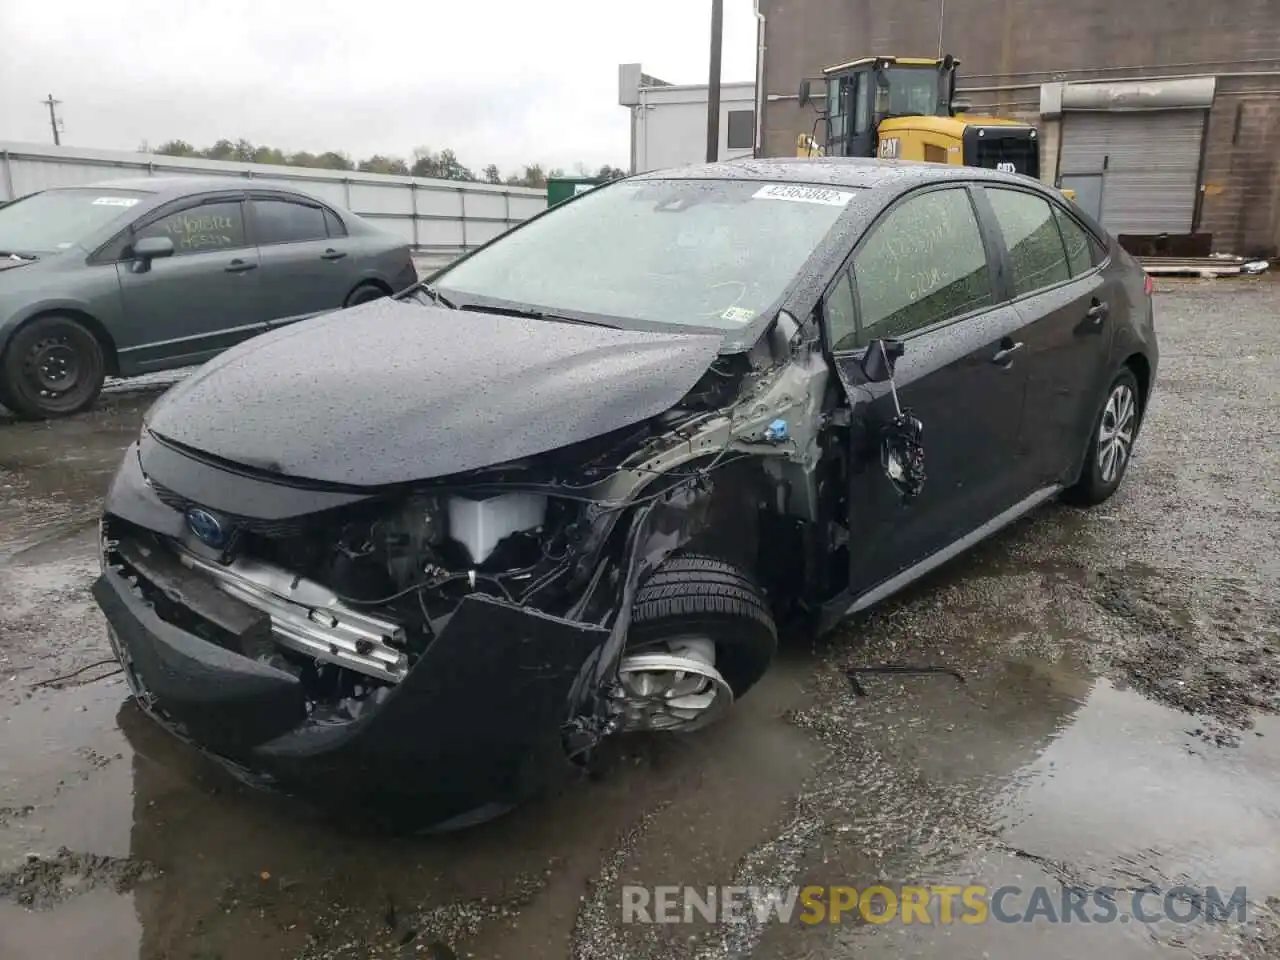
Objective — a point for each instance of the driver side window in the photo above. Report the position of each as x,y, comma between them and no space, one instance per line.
924,263
200,227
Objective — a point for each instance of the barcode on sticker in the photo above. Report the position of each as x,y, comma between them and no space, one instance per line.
799,194
116,201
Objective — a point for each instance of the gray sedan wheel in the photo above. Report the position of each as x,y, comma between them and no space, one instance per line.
365,293
54,367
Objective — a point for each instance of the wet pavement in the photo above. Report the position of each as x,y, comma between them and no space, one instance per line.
1116,728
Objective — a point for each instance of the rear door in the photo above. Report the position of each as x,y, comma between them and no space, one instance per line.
308,261
189,307
927,273
1061,294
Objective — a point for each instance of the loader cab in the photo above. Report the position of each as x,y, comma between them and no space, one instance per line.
861,94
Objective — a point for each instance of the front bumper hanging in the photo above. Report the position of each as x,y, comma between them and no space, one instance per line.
477,720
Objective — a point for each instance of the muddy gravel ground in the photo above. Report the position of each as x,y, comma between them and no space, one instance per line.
1116,727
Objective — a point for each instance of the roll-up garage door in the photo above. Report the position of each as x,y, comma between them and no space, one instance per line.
1148,163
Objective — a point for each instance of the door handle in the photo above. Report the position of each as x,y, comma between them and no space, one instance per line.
240,266
1097,312
332,254
1004,356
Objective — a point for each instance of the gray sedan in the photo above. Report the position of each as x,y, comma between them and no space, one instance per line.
132,276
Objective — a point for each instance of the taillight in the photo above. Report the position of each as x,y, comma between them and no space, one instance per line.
1148,286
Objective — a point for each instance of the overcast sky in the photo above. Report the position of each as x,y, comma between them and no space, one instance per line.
500,81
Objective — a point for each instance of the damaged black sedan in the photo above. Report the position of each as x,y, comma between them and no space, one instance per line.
436,548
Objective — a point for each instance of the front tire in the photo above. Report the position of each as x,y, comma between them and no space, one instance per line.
54,367
701,636
1111,445
365,293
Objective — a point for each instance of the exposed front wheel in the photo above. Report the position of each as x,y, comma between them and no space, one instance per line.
53,367
701,636
1111,445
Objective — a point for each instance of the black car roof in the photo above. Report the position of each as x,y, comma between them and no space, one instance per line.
855,172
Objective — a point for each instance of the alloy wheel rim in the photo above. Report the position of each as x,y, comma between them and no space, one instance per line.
664,692
1115,434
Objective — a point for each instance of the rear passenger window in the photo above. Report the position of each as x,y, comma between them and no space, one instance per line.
924,263
1031,235
281,221
1083,250
837,310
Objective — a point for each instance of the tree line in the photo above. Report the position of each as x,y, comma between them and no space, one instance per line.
442,165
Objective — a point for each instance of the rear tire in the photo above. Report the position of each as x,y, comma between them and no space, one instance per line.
365,293
1111,444
53,367
692,599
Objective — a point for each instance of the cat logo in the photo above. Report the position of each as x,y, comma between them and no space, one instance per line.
889,149
1004,166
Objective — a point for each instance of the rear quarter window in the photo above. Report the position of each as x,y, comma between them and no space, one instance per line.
334,224
1084,252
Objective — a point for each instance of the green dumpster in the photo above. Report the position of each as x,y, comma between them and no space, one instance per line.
562,188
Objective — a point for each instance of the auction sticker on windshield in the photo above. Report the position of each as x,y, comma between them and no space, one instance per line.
800,194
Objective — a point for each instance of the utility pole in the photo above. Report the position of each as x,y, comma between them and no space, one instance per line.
713,83
52,104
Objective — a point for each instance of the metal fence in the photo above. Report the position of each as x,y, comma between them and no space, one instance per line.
441,219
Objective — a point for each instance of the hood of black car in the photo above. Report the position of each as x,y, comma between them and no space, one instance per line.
391,392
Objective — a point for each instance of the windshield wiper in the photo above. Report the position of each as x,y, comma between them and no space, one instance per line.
18,256
532,314
435,295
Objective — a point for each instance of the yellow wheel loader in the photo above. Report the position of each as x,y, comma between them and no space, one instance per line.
903,108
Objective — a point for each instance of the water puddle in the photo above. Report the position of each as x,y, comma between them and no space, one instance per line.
1041,775
206,864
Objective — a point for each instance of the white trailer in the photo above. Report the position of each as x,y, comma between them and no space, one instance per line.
669,121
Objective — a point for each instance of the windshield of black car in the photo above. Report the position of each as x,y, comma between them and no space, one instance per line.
55,220
705,253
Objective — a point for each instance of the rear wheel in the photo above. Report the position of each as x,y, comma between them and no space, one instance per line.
1111,446
701,636
54,366
365,293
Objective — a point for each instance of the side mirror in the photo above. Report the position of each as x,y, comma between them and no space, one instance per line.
148,249
806,93
152,248
880,359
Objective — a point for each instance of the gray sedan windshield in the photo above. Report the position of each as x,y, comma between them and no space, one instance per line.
709,253
54,220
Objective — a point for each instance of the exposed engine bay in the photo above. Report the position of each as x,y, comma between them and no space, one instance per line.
356,594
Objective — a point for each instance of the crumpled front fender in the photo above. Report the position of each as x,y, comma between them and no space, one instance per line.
658,528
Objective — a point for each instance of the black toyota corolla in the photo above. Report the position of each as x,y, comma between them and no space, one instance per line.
437,548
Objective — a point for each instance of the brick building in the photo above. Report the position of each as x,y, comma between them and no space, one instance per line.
1163,115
